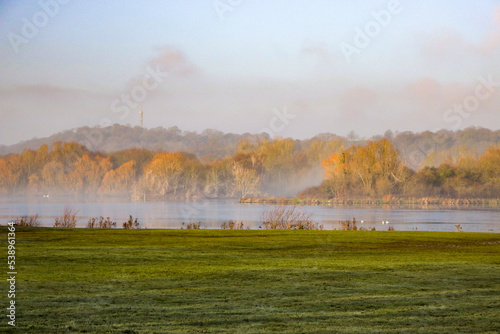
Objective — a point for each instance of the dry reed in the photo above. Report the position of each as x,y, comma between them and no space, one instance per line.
28,221
101,222
285,217
131,223
68,218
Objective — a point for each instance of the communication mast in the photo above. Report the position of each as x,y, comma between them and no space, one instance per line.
141,118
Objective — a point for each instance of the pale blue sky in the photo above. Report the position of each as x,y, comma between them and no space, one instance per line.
261,56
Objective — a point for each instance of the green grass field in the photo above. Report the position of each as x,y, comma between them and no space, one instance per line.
233,281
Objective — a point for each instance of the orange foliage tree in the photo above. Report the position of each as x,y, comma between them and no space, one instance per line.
87,174
120,180
338,171
52,176
164,173
10,174
373,169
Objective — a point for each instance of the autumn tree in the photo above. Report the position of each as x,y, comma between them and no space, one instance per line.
373,169
52,175
192,177
245,180
244,146
119,181
276,156
318,150
68,154
9,174
42,156
142,157
489,164
164,173
35,183
217,178
87,174
27,163
338,172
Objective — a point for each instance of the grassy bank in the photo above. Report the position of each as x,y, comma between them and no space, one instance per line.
232,281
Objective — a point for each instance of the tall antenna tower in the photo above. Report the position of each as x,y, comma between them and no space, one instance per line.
141,118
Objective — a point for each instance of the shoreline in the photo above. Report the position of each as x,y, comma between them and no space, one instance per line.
458,203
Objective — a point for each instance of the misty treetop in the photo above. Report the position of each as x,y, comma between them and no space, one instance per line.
280,167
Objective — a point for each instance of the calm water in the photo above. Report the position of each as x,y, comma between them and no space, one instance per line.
212,213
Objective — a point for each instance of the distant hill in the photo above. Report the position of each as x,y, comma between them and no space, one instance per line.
418,149
120,137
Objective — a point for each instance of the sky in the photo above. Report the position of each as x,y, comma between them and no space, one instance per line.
291,68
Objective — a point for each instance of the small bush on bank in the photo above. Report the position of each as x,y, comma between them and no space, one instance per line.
352,225
131,223
348,225
28,221
232,225
68,218
101,222
288,217
191,226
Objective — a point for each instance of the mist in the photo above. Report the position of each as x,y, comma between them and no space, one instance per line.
230,74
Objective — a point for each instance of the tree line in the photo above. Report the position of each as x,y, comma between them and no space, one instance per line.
261,168
280,167
424,149
377,170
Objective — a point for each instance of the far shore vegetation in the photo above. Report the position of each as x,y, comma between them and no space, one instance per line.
325,168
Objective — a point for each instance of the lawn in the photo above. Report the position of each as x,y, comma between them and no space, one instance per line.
242,281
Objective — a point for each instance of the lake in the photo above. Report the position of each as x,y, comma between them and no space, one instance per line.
212,213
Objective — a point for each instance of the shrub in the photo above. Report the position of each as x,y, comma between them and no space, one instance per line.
348,225
192,226
232,225
68,219
284,217
101,222
28,221
131,223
